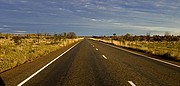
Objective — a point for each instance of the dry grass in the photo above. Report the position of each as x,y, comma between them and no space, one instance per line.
166,49
12,55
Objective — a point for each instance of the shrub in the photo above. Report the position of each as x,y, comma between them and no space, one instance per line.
18,51
17,40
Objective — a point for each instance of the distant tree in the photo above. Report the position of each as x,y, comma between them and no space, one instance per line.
135,38
174,38
167,36
71,35
1,35
148,34
167,33
114,34
148,37
56,38
157,38
17,40
65,34
39,35
28,36
128,37
7,36
114,37
46,35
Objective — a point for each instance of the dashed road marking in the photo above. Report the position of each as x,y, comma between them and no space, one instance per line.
132,84
104,56
145,56
96,49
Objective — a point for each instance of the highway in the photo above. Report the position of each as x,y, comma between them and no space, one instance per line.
93,63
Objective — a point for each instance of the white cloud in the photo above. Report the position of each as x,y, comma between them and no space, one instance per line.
166,5
1,28
28,11
78,10
96,20
101,7
61,9
65,10
86,5
148,28
102,20
6,26
24,1
20,31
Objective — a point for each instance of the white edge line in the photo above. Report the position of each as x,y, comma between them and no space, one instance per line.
23,82
132,84
146,56
104,56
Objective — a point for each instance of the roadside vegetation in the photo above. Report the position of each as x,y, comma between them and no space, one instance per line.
167,46
18,49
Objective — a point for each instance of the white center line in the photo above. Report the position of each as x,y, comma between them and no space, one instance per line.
23,82
132,84
104,56
96,49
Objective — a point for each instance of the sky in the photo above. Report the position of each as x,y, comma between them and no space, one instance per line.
90,17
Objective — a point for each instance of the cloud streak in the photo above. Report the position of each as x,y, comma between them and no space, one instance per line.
92,16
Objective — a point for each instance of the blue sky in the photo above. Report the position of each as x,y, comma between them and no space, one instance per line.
90,17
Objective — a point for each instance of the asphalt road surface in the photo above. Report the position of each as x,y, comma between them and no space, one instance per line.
92,63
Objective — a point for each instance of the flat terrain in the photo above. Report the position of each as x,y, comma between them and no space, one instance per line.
94,63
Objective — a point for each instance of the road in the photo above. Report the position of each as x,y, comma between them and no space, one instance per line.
92,63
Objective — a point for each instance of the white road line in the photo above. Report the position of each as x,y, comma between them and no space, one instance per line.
96,49
104,56
132,84
23,82
146,56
